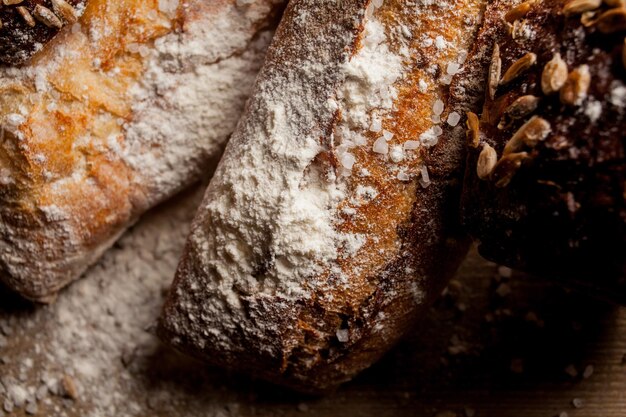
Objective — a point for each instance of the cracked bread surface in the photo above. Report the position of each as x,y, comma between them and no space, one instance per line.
331,221
117,113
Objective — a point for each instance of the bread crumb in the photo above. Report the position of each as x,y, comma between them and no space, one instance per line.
343,335
68,388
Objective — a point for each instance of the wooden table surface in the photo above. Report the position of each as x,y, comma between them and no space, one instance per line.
494,345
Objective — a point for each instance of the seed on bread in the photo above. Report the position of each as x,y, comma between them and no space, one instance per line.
507,167
65,10
532,132
473,129
28,18
486,161
495,69
523,106
554,75
26,26
580,6
518,68
519,29
589,19
519,11
51,17
47,17
576,87
519,109
612,21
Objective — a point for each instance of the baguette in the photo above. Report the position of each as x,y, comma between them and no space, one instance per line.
115,114
545,188
330,223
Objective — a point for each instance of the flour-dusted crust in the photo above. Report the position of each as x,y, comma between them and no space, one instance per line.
118,112
330,222
552,199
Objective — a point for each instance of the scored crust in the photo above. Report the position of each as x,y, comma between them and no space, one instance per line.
545,186
88,139
330,223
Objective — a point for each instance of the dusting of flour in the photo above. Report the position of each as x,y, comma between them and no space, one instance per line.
267,230
98,334
183,108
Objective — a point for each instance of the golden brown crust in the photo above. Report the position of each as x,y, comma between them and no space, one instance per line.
43,153
554,204
373,296
71,174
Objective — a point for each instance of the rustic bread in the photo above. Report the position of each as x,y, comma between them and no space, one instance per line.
27,25
330,223
545,188
117,113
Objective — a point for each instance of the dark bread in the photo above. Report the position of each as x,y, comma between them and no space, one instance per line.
555,205
27,25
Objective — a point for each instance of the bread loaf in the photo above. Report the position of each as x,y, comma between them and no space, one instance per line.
331,221
115,114
545,189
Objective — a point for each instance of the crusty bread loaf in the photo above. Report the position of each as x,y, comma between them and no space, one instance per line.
27,25
118,112
545,189
331,221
